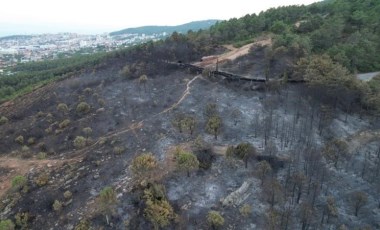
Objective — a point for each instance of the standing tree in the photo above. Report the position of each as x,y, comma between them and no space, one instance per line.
358,200
298,180
335,150
143,165
63,108
107,201
83,108
157,209
214,219
236,115
7,225
273,191
178,121
189,123
245,151
263,169
143,80
187,161
214,125
329,209
87,131
126,72
306,213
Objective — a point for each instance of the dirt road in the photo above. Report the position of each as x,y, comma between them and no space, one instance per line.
232,54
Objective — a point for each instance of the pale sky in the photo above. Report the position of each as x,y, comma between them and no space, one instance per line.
98,16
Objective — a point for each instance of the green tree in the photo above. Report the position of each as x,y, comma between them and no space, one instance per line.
214,219
22,220
19,139
63,108
214,125
80,142
3,120
159,213
189,123
65,123
158,210
18,182
245,151
279,27
107,201
7,225
143,165
187,161
87,131
245,210
335,151
83,108
57,205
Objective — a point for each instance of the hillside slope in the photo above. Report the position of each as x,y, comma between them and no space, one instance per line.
138,139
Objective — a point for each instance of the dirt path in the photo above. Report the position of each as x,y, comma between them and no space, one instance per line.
367,76
11,167
232,54
184,95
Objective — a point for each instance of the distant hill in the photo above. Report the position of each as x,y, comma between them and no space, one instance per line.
16,37
148,30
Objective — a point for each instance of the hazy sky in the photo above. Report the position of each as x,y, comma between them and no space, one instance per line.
97,16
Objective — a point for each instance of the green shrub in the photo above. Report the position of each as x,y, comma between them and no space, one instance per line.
20,140
83,225
118,150
214,219
49,130
22,220
79,142
31,141
83,108
49,117
158,210
65,123
41,155
3,120
143,165
102,140
187,161
7,225
40,114
57,206
63,108
107,201
87,131
245,210
42,179
101,102
67,195
18,182
87,91
24,148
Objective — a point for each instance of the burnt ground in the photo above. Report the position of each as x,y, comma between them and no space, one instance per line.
138,119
